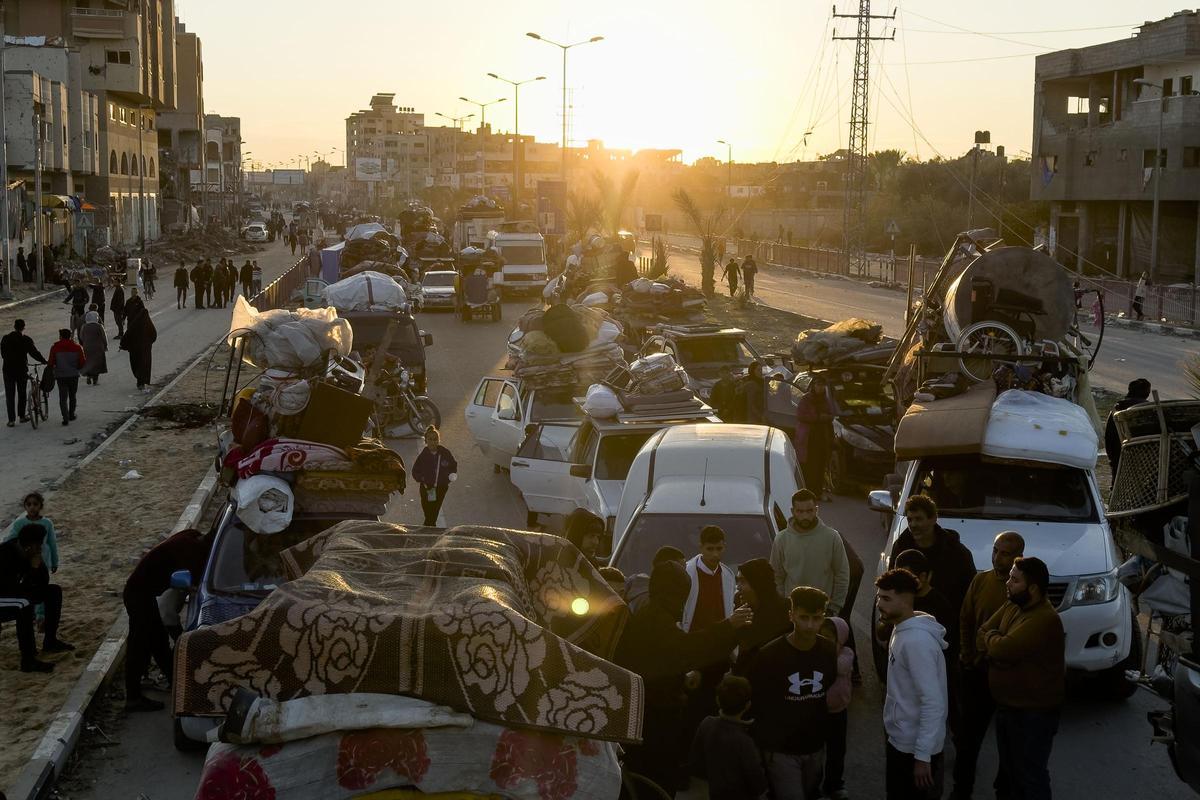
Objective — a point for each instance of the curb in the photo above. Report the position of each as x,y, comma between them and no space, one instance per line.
30,300
1160,328
62,735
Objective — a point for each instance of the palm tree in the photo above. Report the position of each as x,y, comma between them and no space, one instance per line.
614,200
584,214
705,226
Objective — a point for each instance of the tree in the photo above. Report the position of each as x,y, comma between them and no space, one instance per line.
613,200
584,214
882,165
705,226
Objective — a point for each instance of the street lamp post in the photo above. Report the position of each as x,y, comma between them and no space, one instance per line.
1158,167
516,127
458,121
483,137
564,48
728,170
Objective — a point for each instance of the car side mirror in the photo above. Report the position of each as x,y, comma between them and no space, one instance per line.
427,338
581,471
880,500
181,579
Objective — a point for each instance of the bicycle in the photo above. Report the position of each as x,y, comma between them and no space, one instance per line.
37,402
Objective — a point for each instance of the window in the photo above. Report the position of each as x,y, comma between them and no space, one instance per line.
124,117
1185,85
152,166
124,164
966,486
112,112
1078,105
488,393
616,455
143,165
508,407
1089,158
133,165
112,163
1191,157
746,537
1168,87
1123,154
1148,158
118,57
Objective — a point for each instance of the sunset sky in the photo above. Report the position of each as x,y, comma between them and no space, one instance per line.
670,73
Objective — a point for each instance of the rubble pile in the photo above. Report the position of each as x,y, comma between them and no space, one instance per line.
197,244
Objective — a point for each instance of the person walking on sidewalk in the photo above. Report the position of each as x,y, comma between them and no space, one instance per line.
117,304
95,347
246,277
15,351
1139,296
139,341
67,360
749,270
434,470
730,275
916,705
148,640
1023,644
181,286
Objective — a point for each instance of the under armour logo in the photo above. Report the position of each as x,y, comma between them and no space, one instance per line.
813,684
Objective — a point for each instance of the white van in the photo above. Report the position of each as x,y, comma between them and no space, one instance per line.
1056,507
740,477
524,252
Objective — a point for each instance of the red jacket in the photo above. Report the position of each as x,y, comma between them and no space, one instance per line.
67,358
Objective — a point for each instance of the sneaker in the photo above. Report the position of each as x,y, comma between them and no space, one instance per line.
57,646
72,418
65,422
12,424
138,704
35,665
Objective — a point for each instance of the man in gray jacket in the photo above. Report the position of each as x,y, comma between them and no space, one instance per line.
810,553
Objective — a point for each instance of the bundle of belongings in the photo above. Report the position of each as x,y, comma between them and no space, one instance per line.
396,658
644,303
653,383
366,291
369,241
565,346
841,339
296,437
473,258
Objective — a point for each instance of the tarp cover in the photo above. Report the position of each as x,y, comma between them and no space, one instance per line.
476,618
289,340
366,291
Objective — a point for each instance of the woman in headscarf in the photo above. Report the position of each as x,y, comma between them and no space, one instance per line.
95,343
756,588
117,304
139,339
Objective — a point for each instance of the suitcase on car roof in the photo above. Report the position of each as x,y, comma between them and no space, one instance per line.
335,416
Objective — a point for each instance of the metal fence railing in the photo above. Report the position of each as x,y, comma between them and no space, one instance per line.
278,292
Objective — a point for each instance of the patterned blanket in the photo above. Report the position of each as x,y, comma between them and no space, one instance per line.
509,626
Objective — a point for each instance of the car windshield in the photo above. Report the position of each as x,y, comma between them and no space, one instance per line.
971,487
857,393
714,350
554,406
248,562
616,454
522,253
438,279
746,537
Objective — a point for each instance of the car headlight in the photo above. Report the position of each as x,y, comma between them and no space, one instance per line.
853,438
1093,589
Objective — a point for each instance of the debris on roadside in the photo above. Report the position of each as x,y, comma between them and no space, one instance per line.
197,244
184,415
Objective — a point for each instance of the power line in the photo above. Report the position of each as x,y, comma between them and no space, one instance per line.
984,34
969,60
1018,33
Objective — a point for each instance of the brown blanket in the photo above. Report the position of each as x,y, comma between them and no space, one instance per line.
485,620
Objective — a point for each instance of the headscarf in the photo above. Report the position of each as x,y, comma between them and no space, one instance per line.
91,316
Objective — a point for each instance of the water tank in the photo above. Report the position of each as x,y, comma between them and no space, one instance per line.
1012,283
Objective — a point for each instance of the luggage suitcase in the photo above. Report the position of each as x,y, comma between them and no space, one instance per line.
335,416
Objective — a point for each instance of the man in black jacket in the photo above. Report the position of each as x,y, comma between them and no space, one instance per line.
15,348
22,587
950,562
655,647
1138,392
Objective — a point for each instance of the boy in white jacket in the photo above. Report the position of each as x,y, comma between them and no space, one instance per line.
914,712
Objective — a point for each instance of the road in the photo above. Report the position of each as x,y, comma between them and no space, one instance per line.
1100,744
1124,354
46,453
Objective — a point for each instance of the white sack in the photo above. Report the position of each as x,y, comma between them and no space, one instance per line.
366,291
601,402
265,503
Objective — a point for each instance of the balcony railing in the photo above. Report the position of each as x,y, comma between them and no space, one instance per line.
99,23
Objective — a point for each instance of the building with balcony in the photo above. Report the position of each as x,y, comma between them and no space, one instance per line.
222,179
388,151
181,131
1098,114
126,51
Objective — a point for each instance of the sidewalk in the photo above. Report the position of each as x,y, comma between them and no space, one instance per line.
25,294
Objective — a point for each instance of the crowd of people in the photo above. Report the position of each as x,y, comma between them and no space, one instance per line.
749,670
216,285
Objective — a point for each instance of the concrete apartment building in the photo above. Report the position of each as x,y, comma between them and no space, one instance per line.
388,151
222,167
1096,125
181,132
126,53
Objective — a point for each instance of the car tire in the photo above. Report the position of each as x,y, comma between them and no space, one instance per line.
1114,684
182,743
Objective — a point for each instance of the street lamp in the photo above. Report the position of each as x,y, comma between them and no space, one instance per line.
564,48
458,121
1158,166
728,169
516,125
483,137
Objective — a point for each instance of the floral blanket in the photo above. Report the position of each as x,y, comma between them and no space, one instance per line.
512,627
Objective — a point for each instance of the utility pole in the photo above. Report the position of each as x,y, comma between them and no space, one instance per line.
728,170
6,255
37,198
141,183
854,224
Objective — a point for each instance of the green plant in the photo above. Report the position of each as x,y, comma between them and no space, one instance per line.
614,200
658,258
584,214
704,226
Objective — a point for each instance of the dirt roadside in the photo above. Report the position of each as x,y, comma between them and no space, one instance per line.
104,523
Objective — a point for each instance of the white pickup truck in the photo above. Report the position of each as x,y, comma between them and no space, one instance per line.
589,471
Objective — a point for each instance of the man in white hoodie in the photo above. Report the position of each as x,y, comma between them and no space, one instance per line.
914,712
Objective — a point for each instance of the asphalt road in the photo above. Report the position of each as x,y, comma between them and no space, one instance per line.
1102,747
1124,354
37,457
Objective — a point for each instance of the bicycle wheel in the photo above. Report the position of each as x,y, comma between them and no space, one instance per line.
33,403
987,339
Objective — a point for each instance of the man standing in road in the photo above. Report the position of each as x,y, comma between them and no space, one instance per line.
23,265
810,553
246,277
752,395
181,286
730,275
984,598
1023,644
198,283
950,562
1137,392
814,434
15,349
915,709
1139,296
723,397
790,677
67,359
713,583
749,270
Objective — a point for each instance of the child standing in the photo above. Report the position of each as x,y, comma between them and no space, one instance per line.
723,753
33,504
837,700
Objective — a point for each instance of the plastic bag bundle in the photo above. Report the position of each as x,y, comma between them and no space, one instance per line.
562,324
265,503
366,291
285,394
601,402
864,330
289,340
652,366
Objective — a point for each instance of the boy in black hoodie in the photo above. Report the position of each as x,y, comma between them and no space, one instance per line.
723,753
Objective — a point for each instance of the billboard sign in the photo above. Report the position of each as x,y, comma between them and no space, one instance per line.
368,169
287,177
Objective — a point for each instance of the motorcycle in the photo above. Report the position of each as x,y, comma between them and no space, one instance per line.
398,404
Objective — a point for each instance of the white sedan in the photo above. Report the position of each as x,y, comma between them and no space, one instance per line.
255,232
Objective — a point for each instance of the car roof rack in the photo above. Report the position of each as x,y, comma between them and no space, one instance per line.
699,327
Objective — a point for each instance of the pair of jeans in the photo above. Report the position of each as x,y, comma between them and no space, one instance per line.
21,610
147,640
794,777
180,296
976,708
15,385
431,505
1024,738
67,389
835,751
899,781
